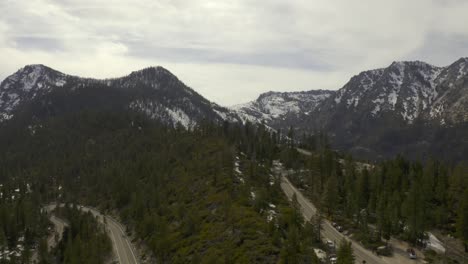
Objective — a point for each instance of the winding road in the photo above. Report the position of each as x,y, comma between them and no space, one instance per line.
123,248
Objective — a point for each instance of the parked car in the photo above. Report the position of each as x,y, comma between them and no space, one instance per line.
411,253
384,250
339,228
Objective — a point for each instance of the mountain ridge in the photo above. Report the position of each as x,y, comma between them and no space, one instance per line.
154,91
404,108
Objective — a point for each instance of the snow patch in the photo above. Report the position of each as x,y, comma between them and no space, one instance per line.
60,82
434,244
179,116
392,99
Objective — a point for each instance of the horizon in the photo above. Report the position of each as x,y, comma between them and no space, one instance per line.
223,105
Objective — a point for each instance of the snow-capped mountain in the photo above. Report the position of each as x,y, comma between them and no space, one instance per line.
410,91
451,103
154,91
409,107
25,85
275,108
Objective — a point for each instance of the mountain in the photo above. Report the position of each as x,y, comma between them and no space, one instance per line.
409,107
412,107
276,108
408,91
40,91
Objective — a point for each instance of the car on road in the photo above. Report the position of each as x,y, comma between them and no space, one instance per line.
333,259
330,244
411,253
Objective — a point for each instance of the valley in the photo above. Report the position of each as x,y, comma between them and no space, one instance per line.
195,181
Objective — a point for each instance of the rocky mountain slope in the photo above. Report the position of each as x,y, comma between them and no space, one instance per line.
276,108
409,107
154,91
410,91
412,108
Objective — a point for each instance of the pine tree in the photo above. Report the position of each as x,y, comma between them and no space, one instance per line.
330,196
413,209
3,240
316,222
345,253
462,221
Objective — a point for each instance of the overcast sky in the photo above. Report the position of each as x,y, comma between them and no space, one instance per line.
231,51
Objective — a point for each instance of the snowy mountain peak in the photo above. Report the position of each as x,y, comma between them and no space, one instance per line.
277,105
403,64
151,71
153,91
26,84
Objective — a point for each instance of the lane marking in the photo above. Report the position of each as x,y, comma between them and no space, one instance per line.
126,240
115,245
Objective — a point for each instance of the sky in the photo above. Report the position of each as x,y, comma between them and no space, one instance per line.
231,51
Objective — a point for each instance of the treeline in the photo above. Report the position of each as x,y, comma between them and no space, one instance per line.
399,197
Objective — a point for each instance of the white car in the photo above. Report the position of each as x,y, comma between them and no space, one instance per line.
411,253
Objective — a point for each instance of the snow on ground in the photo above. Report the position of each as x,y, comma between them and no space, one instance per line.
31,79
6,254
60,82
392,98
237,170
434,244
179,116
320,254
271,214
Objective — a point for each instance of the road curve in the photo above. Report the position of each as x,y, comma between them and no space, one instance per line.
123,248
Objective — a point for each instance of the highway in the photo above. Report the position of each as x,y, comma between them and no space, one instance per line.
123,248
330,233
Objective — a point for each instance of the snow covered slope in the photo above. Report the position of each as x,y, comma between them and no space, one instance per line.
410,91
408,107
272,107
153,91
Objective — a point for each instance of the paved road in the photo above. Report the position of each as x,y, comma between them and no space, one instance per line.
121,242
60,225
330,233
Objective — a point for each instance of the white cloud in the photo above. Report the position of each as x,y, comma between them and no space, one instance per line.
230,51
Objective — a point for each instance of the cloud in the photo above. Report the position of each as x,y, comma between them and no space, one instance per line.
230,51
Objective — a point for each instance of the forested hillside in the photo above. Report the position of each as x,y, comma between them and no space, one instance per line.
21,221
395,198
205,195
